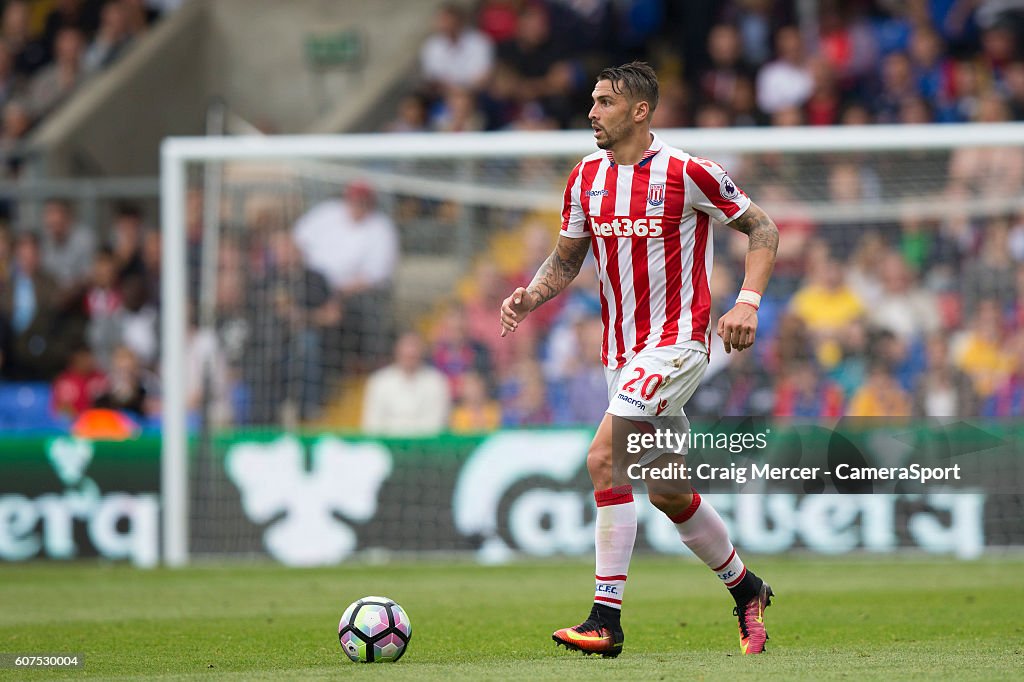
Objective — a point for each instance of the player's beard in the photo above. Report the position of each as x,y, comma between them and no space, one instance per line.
612,136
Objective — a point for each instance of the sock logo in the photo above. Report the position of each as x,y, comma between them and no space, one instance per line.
727,575
610,589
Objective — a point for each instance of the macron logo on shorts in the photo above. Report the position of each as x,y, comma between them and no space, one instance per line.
632,401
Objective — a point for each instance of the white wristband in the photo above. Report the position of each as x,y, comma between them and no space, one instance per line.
750,297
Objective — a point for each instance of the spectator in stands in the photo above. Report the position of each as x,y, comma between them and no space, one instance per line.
847,43
29,54
354,246
130,388
488,288
827,306
456,55
1014,84
915,110
412,115
793,341
998,47
112,38
823,106
458,113
904,359
880,396
79,385
139,320
755,19
456,353
151,259
942,390
475,411
1008,398
907,310
718,83
932,68
855,114
979,350
537,67
499,19
849,184
126,242
28,302
68,248
408,397
79,15
673,105
9,81
5,345
52,84
743,387
785,82
712,115
965,95
803,392
6,251
524,397
207,383
292,308
743,105
897,82
992,172
139,14
16,123
586,393
103,308
852,367
991,275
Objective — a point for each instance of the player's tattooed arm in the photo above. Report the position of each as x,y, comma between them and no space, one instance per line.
554,275
738,327
756,224
559,270
764,243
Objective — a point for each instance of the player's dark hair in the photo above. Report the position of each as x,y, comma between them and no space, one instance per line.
636,80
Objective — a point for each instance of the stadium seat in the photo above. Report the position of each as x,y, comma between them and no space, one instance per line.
26,407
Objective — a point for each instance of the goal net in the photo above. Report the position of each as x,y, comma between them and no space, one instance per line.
292,265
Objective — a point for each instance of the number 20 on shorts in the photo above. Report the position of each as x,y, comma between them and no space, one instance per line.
649,387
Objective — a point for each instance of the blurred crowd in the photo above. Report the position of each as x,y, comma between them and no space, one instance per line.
529,64
912,317
915,314
48,48
82,314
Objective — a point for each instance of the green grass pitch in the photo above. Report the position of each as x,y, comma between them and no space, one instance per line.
861,619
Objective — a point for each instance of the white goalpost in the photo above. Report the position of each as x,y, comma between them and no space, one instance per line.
491,173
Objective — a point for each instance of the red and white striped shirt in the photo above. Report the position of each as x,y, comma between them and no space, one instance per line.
650,230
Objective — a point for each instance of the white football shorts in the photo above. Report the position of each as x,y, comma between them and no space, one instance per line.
657,382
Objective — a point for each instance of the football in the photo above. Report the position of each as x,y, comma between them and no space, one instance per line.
374,629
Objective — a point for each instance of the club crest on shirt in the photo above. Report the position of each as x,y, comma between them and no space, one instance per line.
656,194
729,189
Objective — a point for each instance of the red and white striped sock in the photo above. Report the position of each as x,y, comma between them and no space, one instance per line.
614,537
704,532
